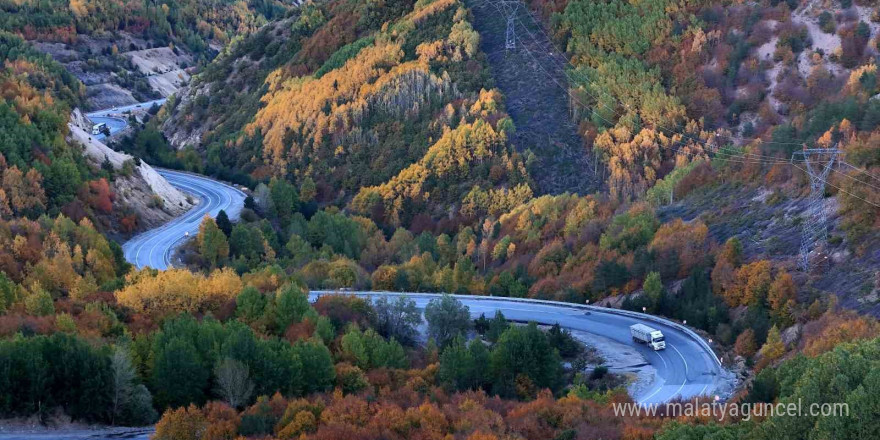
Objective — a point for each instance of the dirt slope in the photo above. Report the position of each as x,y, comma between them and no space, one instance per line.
535,89
769,227
142,190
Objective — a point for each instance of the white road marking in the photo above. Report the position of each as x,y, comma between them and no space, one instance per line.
685,371
665,365
213,196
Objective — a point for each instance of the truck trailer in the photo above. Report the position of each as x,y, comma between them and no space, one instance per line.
647,335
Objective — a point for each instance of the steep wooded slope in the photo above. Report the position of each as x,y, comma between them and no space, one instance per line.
44,169
390,106
535,86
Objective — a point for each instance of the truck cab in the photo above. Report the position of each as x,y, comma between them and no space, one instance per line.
658,342
648,336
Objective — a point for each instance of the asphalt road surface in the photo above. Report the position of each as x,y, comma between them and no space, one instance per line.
115,118
685,368
82,434
154,248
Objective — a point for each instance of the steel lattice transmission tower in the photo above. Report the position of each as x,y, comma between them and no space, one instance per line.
510,8
510,44
819,162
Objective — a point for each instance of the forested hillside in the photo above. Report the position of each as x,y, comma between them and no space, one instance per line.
379,152
41,172
43,168
700,215
416,154
393,116
194,24
132,51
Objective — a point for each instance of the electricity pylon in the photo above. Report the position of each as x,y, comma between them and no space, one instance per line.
510,7
510,44
819,162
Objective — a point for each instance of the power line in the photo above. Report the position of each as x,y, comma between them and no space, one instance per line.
840,162
814,233
744,159
756,157
567,63
865,172
509,10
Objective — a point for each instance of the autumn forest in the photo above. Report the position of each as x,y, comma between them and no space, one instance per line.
380,146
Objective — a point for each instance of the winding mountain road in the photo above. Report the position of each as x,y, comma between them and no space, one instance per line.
687,368
154,248
115,117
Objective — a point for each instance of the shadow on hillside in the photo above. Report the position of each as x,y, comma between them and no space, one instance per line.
535,89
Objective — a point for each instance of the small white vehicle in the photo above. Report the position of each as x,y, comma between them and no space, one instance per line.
99,128
647,335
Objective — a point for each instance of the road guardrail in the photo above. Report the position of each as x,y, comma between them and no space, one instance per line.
641,316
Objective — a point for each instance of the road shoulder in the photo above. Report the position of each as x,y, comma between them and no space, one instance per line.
622,359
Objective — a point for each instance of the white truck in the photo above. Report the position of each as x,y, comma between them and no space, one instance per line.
647,335
99,128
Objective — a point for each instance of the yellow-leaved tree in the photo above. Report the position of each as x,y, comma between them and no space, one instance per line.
178,290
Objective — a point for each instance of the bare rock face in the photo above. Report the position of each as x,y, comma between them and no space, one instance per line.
80,120
163,67
792,334
840,256
108,95
874,296
612,301
137,185
180,135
